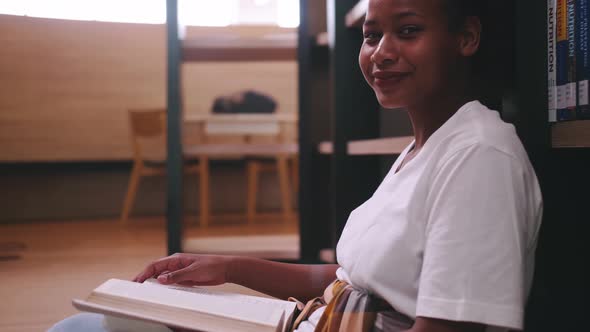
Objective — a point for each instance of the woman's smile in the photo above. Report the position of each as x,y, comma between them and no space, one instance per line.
388,79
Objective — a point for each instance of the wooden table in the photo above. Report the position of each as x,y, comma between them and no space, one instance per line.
280,151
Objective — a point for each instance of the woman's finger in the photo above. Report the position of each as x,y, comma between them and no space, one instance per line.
155,269
177,276
147,272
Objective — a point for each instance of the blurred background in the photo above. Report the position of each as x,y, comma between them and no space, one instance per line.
238,127
83,142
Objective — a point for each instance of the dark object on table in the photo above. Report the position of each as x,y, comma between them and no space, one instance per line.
244,103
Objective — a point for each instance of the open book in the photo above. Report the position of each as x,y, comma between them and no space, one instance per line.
189,308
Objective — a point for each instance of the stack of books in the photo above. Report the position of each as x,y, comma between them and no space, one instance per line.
568,60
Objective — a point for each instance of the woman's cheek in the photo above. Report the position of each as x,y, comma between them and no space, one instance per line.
365,62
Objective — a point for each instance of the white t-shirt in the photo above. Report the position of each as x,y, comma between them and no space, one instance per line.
452,235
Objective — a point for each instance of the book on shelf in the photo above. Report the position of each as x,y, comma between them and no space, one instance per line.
568,54
551,60
190,308
561,57
571,91
583,58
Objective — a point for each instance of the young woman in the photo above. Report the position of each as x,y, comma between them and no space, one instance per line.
446,243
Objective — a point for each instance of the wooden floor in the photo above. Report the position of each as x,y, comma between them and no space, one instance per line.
64,260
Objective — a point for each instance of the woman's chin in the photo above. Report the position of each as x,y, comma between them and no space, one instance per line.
391,103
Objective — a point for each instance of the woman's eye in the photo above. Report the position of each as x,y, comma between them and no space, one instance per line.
371,36
409,31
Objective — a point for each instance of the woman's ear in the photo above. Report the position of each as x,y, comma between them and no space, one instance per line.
470,37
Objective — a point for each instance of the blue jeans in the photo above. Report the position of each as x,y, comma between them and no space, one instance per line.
87,322
81,322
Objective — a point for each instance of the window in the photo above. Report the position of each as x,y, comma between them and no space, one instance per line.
284,13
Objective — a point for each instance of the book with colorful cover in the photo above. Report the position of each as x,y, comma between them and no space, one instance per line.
571,90
583,58
561,57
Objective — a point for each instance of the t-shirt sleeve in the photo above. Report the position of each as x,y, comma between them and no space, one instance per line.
475,247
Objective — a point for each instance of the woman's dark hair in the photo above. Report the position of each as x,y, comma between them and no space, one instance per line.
458,10
492,65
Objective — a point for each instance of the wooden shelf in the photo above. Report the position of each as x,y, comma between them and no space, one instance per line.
326,148
571,134
356,15
322,39
328,256
371,147
242,49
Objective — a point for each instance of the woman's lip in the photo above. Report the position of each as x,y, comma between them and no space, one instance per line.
383,81
385,75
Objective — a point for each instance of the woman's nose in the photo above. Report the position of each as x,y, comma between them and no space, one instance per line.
385,53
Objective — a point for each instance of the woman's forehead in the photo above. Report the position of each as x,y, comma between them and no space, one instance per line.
392,7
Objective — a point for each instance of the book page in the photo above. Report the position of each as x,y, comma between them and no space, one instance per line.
287,306
224,305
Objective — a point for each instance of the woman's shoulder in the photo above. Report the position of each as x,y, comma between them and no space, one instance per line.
476,127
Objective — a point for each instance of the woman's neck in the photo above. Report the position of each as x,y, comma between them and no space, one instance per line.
428,116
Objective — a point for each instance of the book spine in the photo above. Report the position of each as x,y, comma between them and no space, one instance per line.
551,59
582,59
561,57
571,90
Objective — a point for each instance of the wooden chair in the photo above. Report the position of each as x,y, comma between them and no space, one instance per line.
288,187
280,165
148,130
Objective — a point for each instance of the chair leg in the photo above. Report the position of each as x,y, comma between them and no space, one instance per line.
204,192
283,172
295,174
131,192
253,171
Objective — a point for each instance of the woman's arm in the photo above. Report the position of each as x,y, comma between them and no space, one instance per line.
282,280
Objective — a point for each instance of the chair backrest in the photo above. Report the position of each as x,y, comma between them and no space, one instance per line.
148,133
147,123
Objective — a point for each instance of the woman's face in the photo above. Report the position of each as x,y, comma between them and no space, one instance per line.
408,53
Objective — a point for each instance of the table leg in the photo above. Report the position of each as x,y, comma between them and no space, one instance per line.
283,172
204,192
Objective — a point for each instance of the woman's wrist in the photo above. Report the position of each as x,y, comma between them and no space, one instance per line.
232,273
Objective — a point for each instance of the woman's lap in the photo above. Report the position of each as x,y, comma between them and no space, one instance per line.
81,322
89,322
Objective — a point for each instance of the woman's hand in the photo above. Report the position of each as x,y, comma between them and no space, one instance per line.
189,270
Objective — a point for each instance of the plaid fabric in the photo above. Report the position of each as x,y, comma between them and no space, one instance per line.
348,309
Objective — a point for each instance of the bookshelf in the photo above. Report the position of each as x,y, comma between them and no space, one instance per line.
562,174
174,158
218,46
322,39
571,134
